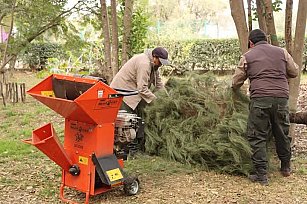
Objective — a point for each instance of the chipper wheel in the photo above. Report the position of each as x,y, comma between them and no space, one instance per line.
131,186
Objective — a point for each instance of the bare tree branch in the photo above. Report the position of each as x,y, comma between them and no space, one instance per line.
54,22
91,9
2,24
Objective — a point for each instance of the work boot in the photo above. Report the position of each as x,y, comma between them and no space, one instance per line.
285,169
262,179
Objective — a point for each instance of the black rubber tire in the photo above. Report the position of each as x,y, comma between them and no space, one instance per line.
131,186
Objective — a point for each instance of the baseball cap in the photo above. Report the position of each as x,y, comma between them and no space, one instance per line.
162,54
257,35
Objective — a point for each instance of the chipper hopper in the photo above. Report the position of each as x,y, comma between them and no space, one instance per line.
87,157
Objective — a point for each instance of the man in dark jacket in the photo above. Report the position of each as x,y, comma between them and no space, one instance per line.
268,68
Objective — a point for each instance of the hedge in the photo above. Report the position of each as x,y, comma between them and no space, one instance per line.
208,54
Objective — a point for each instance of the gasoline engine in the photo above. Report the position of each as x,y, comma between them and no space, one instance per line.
127,132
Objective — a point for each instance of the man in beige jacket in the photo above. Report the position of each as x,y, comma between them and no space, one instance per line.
138,74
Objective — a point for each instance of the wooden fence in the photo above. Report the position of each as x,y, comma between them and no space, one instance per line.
12,92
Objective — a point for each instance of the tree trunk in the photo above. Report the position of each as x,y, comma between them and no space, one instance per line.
261,15
114,38
250,18
298,57
270,22
127,30
106,39
288,25
238,15
298,118
5,60
1,17
13,62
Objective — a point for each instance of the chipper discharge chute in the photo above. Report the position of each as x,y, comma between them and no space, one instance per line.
87,158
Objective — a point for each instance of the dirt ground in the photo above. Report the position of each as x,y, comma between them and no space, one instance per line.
193,187
35,180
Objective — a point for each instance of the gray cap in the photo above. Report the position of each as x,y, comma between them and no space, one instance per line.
162,54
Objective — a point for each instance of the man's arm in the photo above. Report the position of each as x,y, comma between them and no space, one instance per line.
240,74
159,84
292,67
142,80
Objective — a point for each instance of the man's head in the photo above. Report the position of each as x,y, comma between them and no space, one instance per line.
160,56
255,36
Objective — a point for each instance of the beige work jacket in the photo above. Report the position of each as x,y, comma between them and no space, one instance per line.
138,74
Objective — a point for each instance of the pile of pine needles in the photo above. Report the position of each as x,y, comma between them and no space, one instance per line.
199,120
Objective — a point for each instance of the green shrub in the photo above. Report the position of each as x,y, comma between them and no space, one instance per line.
207,54
37,54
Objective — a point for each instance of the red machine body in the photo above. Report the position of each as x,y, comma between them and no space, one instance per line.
90,108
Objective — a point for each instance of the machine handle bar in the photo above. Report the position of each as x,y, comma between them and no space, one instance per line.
123,92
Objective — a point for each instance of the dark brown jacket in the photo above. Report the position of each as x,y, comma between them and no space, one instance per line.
268,68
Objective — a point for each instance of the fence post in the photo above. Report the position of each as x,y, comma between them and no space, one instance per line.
22,93
11,91
1,93
16,92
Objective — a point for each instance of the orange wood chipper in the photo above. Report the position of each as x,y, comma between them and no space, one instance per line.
87,158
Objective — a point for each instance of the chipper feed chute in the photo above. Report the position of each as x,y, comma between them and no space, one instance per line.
45,138
81,99
87,158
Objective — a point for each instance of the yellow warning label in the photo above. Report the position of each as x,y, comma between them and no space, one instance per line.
114,174
48,93
83,160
